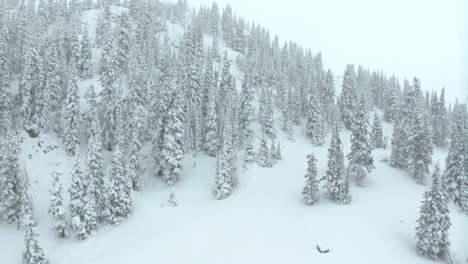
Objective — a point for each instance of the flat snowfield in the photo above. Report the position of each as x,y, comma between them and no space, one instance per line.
264,221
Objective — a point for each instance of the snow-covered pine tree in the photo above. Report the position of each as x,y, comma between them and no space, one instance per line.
173,144
26,214
33,252
223,188
286,116
456,162
400,145
75,48
109,66
10,173
349,98
31,79
54,85
264,155
215,49
162,108
315,126
72,116
249,154
228,26
328,97
123,41
56,208
360,157
392,110
77,194
311,189
85,67
103,26
172,198
94,161
135,169
211,127
90,214
440,121
273,152
246,112
5,104
267,119
377,137
434,221
120,186
420,148
337,182
277,154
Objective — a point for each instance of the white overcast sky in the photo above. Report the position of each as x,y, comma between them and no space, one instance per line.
423,38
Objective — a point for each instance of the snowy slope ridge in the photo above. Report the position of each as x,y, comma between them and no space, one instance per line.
264,218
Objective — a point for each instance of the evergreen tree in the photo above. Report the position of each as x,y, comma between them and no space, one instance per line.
75,49
77,203
72,117
420,149
349,98
103,26
211,127
109,74
315,127
5,104
266,114
94,161
54,86
392,111
85,67
249,154
56,208
226,173
377,137
434,222
360,158
33,253
172,199
337,182
173,145
328,96
31,81
25,210
135,170
246,113
223,186
215,49
400,145
10,173
456,163
440,122
311,190
120,202
277,154
228,139
123,41
264,155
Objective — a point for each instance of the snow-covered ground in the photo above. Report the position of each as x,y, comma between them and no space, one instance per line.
264,221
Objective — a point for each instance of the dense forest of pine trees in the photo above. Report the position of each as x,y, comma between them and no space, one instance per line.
182,98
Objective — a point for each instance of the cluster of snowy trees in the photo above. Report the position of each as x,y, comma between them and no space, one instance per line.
181,97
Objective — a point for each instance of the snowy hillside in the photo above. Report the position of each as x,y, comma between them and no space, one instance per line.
264,218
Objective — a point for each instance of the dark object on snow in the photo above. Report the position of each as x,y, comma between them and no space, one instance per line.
32,130
322,251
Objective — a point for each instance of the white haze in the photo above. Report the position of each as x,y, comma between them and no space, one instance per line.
423,38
